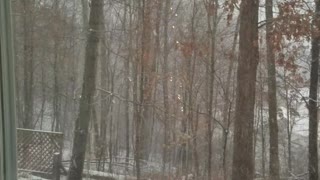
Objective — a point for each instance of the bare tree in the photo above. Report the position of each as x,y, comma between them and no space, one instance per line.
243,162
212,16
165,83
28,34
88,89
227,100
274,165
147,78
313,96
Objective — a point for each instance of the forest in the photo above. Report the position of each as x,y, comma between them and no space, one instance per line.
172,89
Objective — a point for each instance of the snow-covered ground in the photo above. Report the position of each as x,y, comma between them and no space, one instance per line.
28,176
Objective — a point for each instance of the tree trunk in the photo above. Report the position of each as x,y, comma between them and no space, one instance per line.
313,97
263,145
288,104
227,102
44,99
147,83
212,26
274,166
243,162
165,84
195,126
28,48
105,100
136,99
88,89
127,80
56,96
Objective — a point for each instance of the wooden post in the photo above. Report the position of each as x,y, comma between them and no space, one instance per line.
56,166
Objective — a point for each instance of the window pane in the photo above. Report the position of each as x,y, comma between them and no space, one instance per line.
165,89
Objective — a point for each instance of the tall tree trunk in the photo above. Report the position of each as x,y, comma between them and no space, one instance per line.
111,124
44,99
274,166
127,80
165,83
56,71
191,61
88,89
111,140
288,106
313,97
194,127
263,145
227,102
147,83
243,162
105,100
137,94
28,56
56,95
212,26
136,117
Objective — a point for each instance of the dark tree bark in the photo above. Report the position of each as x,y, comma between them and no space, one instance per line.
105,100
189,96
243,162
88,89
274,166
138,94
212,21
147,83
263,144
313,97
194,129
165,83
127,78
56,103
28,55
145,72
111,125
